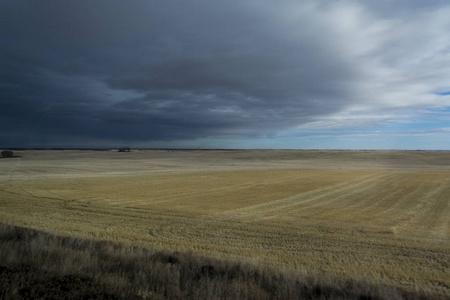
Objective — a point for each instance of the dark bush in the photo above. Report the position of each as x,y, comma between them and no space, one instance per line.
7,153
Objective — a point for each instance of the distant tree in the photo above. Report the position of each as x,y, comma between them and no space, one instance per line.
124,149
7,153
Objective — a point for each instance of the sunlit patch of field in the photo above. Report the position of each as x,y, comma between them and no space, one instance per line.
386,226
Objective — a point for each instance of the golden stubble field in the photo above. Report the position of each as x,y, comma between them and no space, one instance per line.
380,216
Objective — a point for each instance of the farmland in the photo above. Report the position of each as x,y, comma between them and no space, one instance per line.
376,216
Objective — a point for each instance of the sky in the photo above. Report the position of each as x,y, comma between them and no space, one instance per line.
228,74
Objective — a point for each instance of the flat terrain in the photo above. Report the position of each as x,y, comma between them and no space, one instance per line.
381,216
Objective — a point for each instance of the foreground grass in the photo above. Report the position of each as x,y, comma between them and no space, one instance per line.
386,227
36,264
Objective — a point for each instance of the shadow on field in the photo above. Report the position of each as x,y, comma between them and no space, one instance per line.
39,265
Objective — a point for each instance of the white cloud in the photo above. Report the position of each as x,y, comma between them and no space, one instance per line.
401,61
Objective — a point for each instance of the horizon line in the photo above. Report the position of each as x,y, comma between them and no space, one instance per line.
204,149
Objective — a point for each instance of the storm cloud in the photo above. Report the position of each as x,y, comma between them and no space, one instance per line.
147,71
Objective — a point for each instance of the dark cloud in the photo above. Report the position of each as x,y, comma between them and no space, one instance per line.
171,70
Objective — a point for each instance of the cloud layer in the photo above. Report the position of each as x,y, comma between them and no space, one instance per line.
159,71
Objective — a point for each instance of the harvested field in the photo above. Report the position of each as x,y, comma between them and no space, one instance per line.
378,216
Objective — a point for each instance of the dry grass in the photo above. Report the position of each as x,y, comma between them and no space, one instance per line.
38,265
384,226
